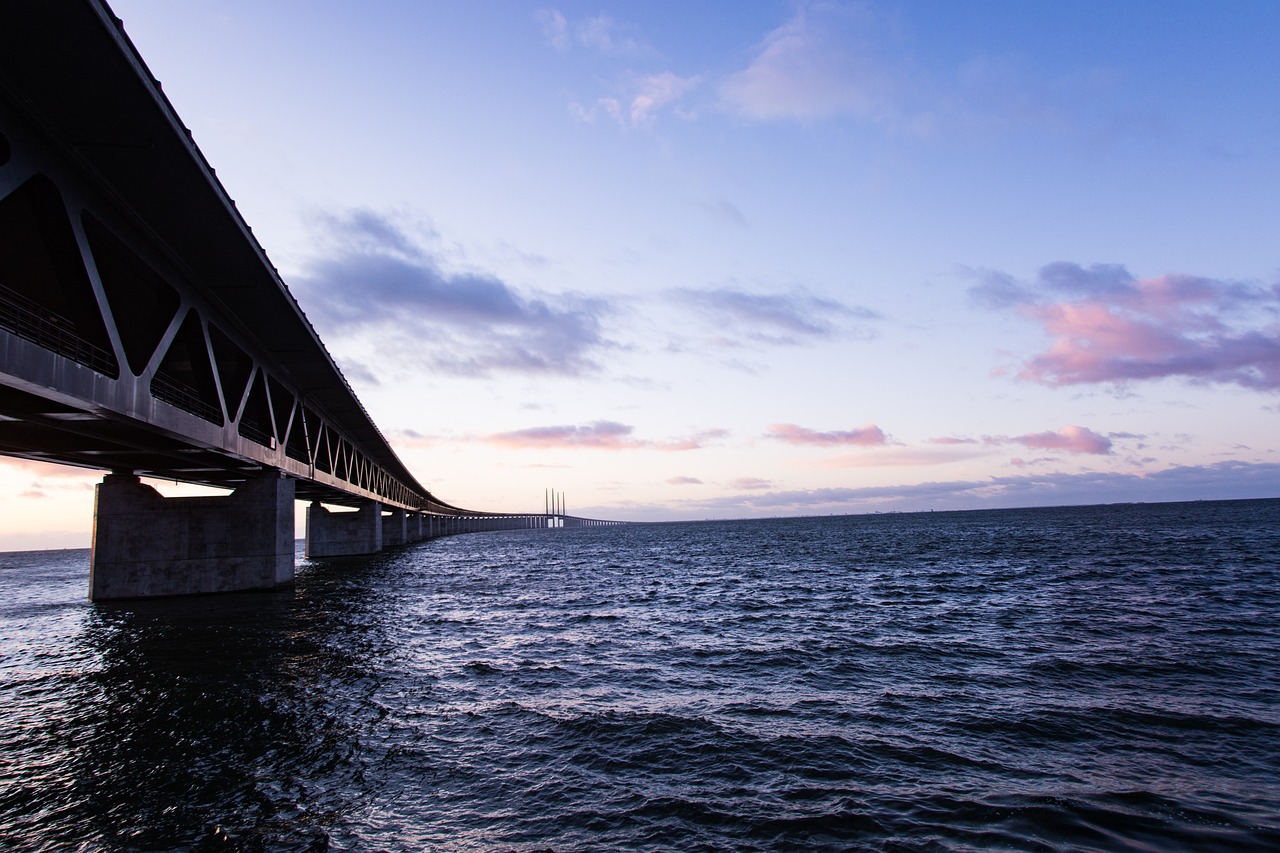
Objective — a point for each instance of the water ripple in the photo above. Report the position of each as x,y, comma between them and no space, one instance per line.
1088,679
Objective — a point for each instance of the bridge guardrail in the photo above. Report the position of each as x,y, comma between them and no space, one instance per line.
34,322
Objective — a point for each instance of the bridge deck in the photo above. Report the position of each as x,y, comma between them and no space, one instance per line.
142,326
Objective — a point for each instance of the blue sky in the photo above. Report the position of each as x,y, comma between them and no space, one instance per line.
763,258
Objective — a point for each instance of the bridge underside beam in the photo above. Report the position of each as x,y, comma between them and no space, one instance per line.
147,545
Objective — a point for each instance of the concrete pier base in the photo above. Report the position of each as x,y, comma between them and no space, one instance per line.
146,545
395,528
344,534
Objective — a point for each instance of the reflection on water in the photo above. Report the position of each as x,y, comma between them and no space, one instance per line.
145,724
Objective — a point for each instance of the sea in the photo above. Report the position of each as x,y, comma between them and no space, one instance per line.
1086,678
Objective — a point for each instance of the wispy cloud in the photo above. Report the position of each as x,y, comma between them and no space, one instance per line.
726,212
828,59
636,97
835,59
945,450
649,94
790,318
1071,438
1221,481
600,435
868,435
683,481
555,28
641,97
372,276
608,35
359,373
750,484
600,33
1107,326
901,456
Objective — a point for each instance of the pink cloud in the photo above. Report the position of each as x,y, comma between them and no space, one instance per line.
824,61
749,484
1019,462
693,442
868,435
601,435
1112,327
898,456
683,481
1076,439
949,440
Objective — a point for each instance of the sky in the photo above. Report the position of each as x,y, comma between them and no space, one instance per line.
723,260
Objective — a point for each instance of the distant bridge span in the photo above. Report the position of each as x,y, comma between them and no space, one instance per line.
143,331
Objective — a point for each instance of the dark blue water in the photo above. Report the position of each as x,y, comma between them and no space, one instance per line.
1102,678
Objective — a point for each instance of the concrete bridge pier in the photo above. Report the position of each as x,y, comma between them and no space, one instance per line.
395,527
147,545
344,534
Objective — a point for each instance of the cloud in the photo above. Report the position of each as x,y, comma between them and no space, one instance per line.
775,319
748,484
945,450
642,98
868,435
1228,480
1019,462
555,28
1107,326
683,481
726,212
609,36
374,279
601,34
824,61
637,97
901,457
654,91
411,438
1076,439
358,373
600,435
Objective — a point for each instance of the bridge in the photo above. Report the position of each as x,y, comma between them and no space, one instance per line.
145,333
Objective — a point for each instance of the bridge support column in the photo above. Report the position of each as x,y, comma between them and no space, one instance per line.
395,528
146,545
344,534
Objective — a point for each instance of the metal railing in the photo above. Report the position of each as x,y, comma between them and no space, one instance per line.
183,396
254,432
34,322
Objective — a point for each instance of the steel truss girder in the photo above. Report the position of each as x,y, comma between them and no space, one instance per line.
108,399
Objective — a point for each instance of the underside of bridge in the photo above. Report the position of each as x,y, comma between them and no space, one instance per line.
144,331
146,328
